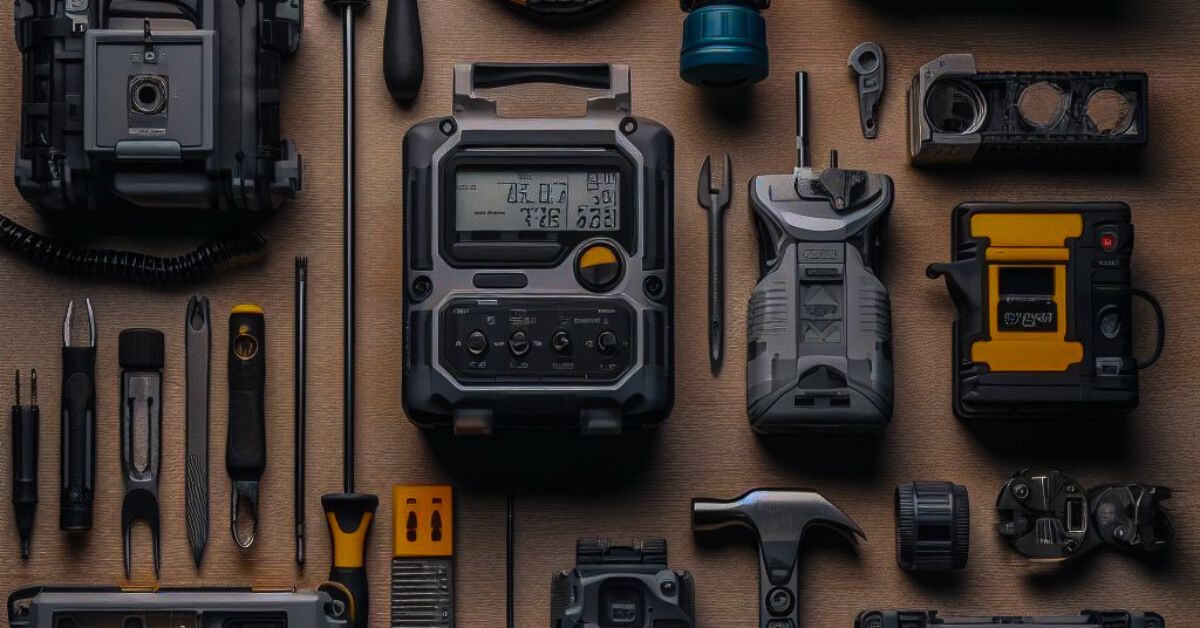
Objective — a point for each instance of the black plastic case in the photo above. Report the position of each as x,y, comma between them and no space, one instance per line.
1105,382
446,295
213,156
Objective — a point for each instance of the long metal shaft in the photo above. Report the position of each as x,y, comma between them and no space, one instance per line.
348,130
301,400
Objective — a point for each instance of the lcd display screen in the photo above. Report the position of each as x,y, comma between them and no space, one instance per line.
537,200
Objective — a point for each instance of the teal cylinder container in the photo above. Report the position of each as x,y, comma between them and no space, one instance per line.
724,43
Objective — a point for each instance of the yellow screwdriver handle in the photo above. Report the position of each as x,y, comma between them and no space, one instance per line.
349,517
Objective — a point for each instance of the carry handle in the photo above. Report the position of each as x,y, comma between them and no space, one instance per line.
583,75
191,10
612,78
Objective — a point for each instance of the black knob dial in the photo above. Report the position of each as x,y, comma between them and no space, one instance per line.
477,343
561,341
607,343
518,343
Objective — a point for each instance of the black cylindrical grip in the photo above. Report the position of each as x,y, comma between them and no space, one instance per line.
246,440
26,423
932,526
78,438
141,350
403,51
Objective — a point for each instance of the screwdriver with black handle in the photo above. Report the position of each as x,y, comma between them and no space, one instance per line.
26,422
403,51
349,514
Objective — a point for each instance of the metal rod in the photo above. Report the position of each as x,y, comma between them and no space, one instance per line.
510,556
348,201
301,394
803,155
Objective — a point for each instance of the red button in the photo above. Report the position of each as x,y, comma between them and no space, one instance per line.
1108,241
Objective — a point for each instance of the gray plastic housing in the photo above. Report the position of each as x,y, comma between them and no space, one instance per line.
436,392
819,321
90,607
207,157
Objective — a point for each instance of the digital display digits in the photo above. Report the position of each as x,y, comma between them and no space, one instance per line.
538,200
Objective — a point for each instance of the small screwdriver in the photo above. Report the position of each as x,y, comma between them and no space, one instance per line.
26,424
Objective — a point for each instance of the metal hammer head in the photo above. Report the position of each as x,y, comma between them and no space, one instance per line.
779,518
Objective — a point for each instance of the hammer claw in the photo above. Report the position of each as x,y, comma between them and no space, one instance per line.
779,518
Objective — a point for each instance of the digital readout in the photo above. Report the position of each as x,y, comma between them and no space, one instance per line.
537,200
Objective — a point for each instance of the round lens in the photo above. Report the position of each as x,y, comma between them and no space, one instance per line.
955,106
1043,105
1110,112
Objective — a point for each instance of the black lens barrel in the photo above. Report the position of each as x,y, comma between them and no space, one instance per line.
933,521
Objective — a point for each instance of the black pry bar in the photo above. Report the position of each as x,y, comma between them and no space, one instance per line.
26,423
301,399
715,201
142,357
870,66
198,339
78,426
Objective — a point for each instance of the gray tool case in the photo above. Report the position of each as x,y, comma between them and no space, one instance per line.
166,105
496,289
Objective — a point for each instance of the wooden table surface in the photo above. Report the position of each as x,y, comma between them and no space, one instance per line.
642,488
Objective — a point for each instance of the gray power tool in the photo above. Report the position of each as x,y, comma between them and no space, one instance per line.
96,607
819,353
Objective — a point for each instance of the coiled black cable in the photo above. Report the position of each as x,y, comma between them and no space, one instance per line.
141,268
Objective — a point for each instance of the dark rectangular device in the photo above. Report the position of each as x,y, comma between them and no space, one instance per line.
622,586
819,355
538,260
1044,325
958,115
166,105
1085,619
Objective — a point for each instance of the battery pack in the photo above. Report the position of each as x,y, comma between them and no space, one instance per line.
423,556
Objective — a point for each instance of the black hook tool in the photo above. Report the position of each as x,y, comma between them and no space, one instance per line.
715,201
870,66
198,338
246,442
141,354
78,426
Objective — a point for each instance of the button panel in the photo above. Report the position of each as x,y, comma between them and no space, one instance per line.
531,340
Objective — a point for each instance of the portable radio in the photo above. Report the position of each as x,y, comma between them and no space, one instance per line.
538,260
819,354
1044,299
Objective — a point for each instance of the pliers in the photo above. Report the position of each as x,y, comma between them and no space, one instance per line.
715,201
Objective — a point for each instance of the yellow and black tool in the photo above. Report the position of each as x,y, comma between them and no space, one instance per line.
246,440
1044,299
423,556
349,514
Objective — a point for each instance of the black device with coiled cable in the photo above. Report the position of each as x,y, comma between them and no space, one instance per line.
155,123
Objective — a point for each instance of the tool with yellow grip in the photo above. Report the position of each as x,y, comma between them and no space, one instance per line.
1045,322
349,514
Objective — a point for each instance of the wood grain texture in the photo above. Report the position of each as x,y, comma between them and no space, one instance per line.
706,449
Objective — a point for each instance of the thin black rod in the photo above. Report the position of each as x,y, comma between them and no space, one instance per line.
348,202
301,394
510,556
803,154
